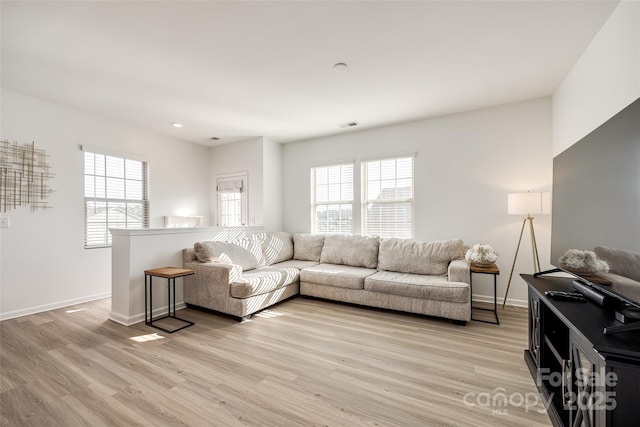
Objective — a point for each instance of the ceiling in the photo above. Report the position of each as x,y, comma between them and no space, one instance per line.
238,69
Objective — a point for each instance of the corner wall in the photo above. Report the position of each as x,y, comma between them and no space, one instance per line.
465,166
272,190
243,156
261,158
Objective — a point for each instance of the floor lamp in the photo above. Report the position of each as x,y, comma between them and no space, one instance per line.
526,204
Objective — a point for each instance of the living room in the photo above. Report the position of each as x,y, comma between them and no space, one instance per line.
466,161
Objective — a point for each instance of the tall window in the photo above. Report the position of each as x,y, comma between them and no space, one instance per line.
387,199
115,196
232,200
332,199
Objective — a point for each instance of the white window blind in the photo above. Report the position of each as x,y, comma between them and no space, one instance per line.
387,208
332,199
230,185
232,200
115,196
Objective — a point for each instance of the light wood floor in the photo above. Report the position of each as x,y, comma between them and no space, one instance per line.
305,362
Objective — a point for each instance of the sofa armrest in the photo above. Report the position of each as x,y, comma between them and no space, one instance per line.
188,255
459,271
210,287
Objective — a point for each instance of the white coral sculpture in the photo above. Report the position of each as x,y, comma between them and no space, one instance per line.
481,254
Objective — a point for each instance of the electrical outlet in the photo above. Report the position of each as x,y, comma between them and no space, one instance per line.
4,222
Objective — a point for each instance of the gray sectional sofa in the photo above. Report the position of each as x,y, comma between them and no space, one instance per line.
243,277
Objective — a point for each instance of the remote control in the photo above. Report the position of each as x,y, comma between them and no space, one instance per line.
567,296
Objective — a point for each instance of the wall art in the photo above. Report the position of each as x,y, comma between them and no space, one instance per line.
24,176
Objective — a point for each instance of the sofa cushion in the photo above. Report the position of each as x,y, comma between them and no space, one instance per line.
410,256
225,252
263,280
276,246
307,247
295,263
355,251
417,286
340,276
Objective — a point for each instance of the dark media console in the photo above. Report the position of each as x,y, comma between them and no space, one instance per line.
587,378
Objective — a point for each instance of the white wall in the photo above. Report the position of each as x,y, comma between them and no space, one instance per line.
44,264
465,166
604,81
243,156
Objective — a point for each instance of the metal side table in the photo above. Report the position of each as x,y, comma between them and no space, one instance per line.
493,270
170,273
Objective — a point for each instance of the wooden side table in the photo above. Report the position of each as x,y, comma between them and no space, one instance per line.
170,273
493,270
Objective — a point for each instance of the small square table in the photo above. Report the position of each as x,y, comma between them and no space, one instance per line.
170,273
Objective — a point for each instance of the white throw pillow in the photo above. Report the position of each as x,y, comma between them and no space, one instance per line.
244,253
252,244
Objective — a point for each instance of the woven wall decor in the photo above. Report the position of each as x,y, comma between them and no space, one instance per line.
24,176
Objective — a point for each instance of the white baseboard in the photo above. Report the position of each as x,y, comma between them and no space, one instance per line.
510,301
132,320
52,306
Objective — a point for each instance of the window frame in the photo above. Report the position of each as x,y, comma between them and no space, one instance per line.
366,200
221,204
314,203
107,200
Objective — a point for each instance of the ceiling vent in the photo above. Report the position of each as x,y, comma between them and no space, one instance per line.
348,124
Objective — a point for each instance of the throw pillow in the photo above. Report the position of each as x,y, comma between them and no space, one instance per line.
203,254
225,252
252,244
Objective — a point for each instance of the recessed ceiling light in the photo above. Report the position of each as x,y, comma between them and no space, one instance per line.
340,66
176,125
348,124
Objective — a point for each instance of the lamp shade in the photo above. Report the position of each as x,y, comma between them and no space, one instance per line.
528,203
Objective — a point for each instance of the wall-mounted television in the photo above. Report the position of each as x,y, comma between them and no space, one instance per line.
596,200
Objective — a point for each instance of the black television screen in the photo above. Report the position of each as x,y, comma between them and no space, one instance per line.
596,199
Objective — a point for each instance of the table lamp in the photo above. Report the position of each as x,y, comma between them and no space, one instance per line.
526,204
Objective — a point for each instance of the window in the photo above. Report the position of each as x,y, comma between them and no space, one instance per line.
332,199
232,200
115,195
387,199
